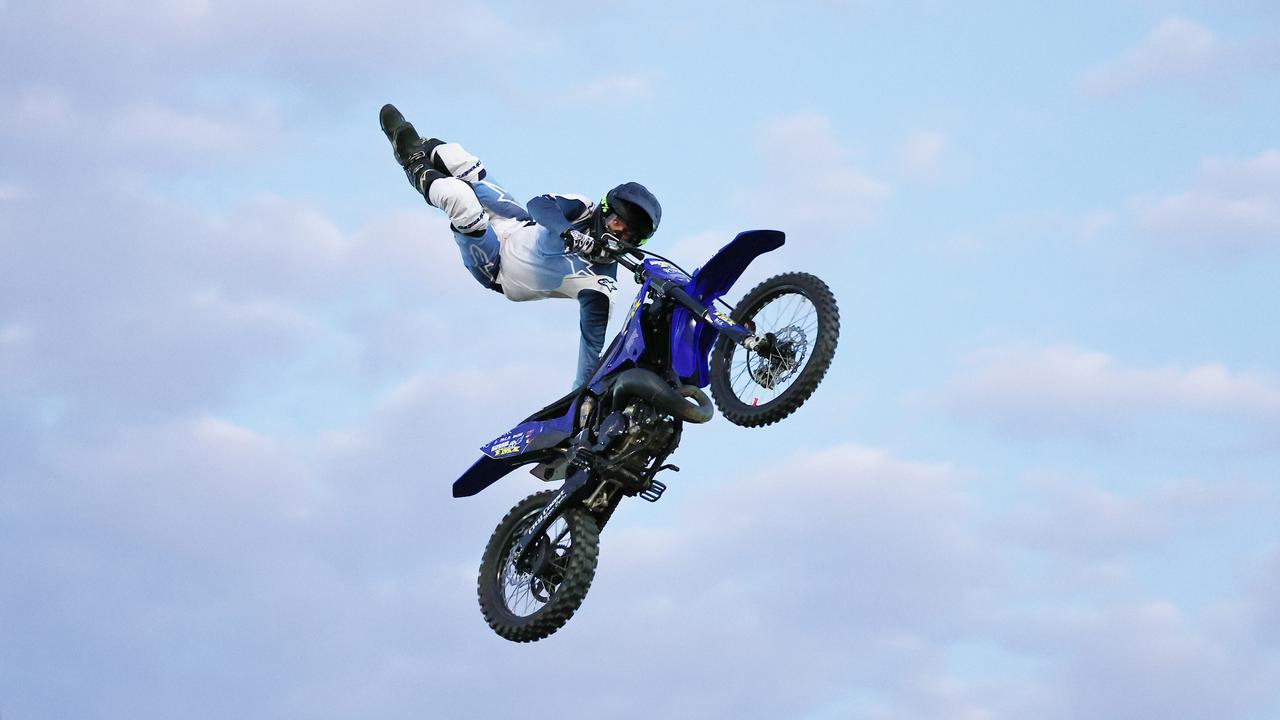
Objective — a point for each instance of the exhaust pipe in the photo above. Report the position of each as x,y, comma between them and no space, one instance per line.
646,385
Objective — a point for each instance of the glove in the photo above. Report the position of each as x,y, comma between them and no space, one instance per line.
579,241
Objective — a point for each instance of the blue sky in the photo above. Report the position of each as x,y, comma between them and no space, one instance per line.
240,363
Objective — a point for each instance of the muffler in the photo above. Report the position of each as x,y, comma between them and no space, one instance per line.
646,385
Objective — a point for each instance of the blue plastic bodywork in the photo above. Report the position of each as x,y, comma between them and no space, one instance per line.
627,347
691,343
663,270
691,340
482,473
529,436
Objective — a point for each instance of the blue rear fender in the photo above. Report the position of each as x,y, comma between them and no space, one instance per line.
520,445
691,339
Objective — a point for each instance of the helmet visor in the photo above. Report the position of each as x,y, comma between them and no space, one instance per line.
637,223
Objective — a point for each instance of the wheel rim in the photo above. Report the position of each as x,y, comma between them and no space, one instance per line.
757,379
525,592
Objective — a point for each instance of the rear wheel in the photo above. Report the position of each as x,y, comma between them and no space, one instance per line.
798,316
530,601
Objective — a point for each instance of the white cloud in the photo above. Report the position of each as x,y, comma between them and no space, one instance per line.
694,250
13,191
1078,518
14,335
867,502
1169,662
135,304
1074,231
40,107
1175,50
809,179
457,403
620,90
344,574
174,562
921,155
1233,207
152,128
173,85
61,126
227,472
1031,391
146,41
819,561
1261,602
1181,52
1082,538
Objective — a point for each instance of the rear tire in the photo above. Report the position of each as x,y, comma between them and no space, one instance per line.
811,342
523,607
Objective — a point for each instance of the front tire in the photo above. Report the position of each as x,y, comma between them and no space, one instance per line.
523,606
799,310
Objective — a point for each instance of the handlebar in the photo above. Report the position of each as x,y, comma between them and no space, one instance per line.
627,255
631,257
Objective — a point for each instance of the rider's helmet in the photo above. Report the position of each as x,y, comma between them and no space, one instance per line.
629,212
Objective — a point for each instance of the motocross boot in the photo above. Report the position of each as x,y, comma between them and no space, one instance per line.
409,150
429,172
446,157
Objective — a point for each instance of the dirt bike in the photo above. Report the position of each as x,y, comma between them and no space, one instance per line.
609,439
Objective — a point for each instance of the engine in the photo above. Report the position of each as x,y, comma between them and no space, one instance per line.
623,445
646,434
627,441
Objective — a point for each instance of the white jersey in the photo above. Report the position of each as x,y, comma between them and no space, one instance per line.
534,264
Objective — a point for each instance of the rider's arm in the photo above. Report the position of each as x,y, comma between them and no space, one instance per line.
558,213
593,322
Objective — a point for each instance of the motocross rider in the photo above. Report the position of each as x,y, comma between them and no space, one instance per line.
551,249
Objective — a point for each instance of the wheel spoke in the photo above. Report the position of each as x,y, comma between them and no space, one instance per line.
801,301
777,369
562,533
785,305
797,304
528,606
515,587
776,309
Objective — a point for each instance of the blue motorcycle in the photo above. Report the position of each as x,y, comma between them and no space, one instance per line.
610,438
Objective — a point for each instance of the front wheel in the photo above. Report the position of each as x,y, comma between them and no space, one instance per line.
528,602
797,315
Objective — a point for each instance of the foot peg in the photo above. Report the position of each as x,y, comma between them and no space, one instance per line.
654,491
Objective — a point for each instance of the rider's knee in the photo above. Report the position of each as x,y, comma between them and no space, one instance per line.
452,159
459,202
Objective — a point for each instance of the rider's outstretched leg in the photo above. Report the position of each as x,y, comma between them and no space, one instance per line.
429,167
431,176
453,160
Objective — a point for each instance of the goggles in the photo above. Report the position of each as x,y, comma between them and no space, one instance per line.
617,226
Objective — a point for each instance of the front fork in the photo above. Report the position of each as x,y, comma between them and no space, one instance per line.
573,491
718,319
